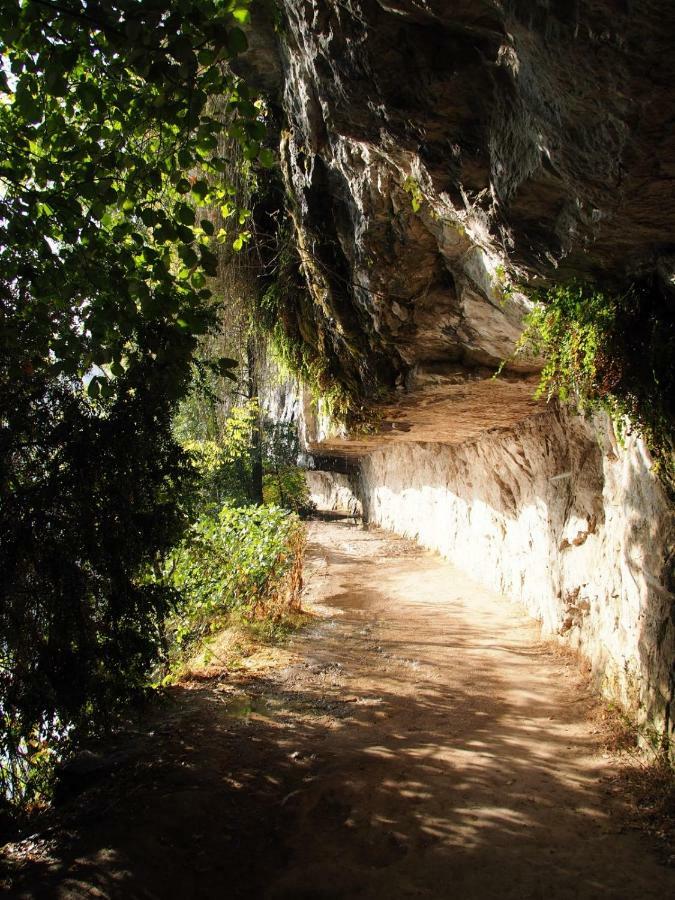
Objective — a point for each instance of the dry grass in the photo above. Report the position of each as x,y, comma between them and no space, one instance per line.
243,646
644,777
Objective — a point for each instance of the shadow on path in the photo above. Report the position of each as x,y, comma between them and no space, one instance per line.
424,744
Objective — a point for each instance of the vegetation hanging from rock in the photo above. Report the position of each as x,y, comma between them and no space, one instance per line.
611,351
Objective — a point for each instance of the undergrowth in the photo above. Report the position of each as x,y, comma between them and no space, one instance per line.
287,487
646,776
244,562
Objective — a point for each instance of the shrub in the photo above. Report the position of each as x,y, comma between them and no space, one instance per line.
572,327
89,499
224,468
102,283
245,558
287,487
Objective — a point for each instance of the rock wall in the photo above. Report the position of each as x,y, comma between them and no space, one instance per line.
434,154
432,151
335,492
557,516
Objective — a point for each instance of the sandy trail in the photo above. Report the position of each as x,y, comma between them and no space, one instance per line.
421,743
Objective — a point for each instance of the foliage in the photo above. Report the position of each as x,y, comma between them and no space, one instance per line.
610,351
284,483
82,506
247,558
224,467
288,316
287,487
108,141
105,133
569,327
412,187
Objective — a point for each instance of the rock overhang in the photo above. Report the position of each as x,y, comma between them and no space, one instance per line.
434,154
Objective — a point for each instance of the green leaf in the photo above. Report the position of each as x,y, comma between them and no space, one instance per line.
188,255
184,214
206,56
200,189
107,390
236,41
55,80
256,130
27,103
184,234
94,388
148,217
247,109
185,158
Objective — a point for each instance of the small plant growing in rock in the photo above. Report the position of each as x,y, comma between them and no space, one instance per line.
610,351
571,327
411,187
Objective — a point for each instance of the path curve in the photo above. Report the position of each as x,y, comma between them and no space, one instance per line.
422,742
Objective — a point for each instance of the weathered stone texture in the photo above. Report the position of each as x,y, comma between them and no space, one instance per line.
334,492
433,152
557,516
433,148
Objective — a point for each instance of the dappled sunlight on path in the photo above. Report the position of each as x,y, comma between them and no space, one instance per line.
421,742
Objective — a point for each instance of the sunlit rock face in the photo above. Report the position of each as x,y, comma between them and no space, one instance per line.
553,514
335,492
435,152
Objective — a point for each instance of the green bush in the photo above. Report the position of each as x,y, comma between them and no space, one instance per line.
288,488
610,351
103,267
245,558
90,497
224,468
571,327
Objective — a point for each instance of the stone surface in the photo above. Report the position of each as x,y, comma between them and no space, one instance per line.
555,515
334,492
442,411
433,150
435,153
558,517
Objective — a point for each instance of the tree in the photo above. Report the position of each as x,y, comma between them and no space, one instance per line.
107,138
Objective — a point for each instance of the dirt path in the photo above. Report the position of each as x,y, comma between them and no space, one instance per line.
420,742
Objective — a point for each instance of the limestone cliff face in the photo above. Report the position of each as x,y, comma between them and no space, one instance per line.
434,148
433,152
558,517
554,514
